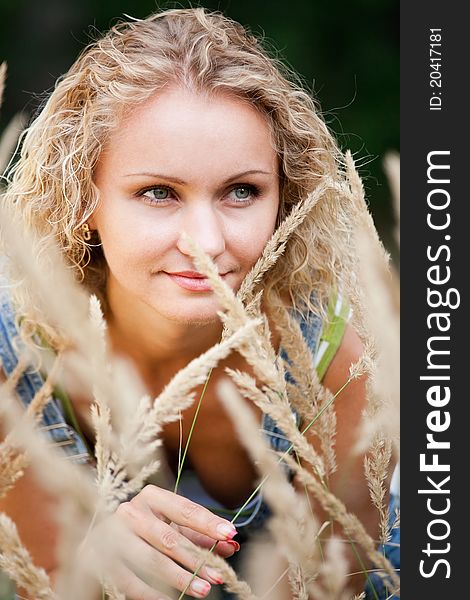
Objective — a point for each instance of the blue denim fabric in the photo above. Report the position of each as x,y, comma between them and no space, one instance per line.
52,420
377,587
310,326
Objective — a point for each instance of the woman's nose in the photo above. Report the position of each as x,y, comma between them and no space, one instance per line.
205,227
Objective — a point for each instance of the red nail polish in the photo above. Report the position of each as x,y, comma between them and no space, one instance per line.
227,530
235,545
214,576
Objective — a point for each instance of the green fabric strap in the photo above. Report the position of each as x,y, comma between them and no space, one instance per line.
333,331
64,400
69,414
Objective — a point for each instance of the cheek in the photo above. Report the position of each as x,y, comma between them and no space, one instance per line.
251,238
128,242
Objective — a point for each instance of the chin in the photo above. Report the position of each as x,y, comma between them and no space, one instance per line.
197,318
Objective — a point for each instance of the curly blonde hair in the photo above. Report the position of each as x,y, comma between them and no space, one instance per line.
51,185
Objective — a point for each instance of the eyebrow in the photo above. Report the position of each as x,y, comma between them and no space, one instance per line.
181,182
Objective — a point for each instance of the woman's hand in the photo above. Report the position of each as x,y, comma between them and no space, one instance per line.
164,527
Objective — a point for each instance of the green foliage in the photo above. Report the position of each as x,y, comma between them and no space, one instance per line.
346,52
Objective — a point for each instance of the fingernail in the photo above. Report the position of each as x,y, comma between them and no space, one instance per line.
214,575
235,545
228,531
200,587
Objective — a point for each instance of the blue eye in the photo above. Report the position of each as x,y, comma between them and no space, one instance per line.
242,195
155,195
245,192
158,193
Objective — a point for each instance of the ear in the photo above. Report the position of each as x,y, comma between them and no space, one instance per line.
91,221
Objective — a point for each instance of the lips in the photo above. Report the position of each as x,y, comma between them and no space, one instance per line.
192,274
193,283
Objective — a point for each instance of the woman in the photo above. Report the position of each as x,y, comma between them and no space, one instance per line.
181,123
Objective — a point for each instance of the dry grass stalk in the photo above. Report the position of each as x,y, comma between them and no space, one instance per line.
264,567
260,355
235,317
308,396
126,450
325,428
72,486
297,582
55,471
16,562
365,364
349,522
374,291
379,306
77,518
292,524
3,72
297,536
75,579
43,396
176,396
67,309
12,460
300,402
82,333
126,446
376,303
386,377
279,409
117,475
12,381
376,471
277,244
126,437
231,582
392,170
332,576
248,386
125,461
84,549
300,357
355,292
9,140
112,592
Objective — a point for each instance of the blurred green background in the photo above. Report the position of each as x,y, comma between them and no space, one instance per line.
345,51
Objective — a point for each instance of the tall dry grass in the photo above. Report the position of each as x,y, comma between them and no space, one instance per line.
128,423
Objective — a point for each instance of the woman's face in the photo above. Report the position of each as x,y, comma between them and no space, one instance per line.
184,162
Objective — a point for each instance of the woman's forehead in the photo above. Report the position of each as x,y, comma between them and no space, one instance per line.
183,130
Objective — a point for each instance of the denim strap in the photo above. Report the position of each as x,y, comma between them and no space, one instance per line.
52,421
